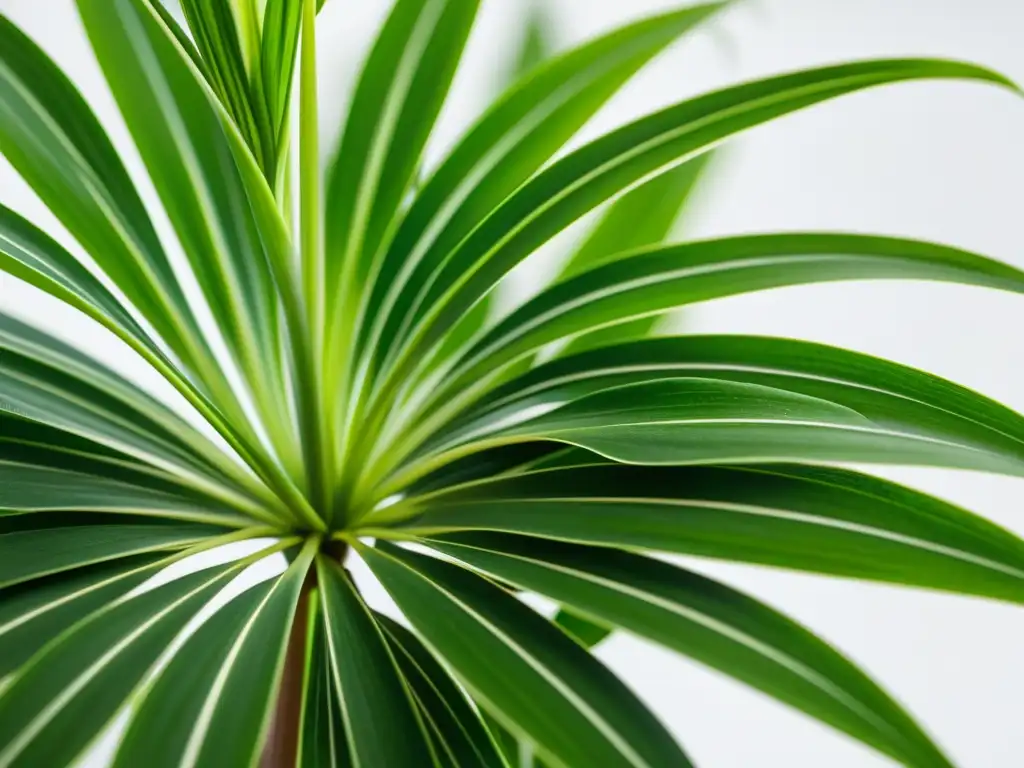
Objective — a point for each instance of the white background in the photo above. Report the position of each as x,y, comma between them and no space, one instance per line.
941,161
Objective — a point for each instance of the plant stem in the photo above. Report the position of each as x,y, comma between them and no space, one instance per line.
282,745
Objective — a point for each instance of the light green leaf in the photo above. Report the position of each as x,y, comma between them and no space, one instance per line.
823,520
69,691
281,23
216,34
51,137
532,678
709,622
186,144
463,738
375,701
222,683
587,632
35,545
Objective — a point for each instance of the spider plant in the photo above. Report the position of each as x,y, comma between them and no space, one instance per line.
342,395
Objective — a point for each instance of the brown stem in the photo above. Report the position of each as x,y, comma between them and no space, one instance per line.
282,745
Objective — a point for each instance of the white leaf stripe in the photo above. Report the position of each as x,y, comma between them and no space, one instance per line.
17,745
219,694
620,743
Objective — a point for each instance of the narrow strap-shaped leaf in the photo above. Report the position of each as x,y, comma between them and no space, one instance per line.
533,47
464,737
49,382
28,488
642,217
510,142
34,613
73,687
35,545
567,189
529,675
401,89
280,43
709,622
374,699
822,520
322,734
677,275
54,141
222,684
891,395
184,140
215,31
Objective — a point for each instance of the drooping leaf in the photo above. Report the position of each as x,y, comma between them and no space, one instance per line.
374,699
76,685
708,621
823,520
322,741
531,677
463,738
221,684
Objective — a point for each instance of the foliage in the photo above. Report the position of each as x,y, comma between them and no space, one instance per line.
363,394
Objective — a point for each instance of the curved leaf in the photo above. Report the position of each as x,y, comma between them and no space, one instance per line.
709,622
823,520
374,699
51,137
322,741
185,143
592,174
509,143
526,673
676,275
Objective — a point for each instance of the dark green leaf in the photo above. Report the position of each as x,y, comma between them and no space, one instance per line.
375,701
824,520
708,621
528,674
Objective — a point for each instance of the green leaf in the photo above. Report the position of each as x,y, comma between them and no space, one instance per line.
588,633
396,102
216,34
642,217
33,613
322,734
281,24
75,686
709,622
510,142
49,382
532,678
676,275
51,137
580,181
36,545
893,396
375,701
222,684
822,520
186,144
463,736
